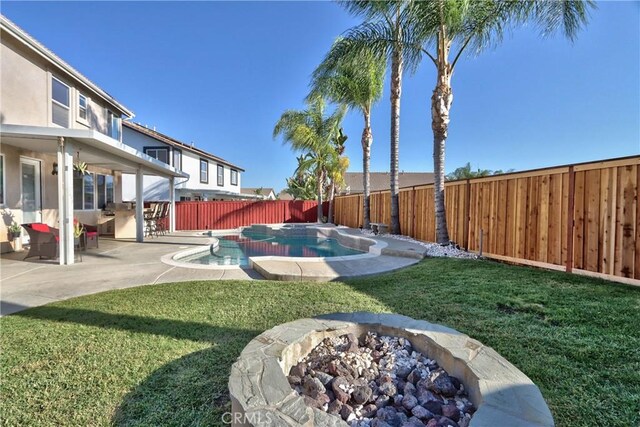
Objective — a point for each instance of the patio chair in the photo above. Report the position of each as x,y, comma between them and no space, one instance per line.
150,223
43,240
90,236
161,218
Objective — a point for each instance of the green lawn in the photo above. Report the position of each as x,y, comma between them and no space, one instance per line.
161,355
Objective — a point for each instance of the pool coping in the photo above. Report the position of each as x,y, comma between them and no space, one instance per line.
375,248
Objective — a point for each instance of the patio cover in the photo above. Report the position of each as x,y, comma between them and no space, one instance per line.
96,149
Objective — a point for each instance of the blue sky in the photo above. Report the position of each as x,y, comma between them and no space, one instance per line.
219,74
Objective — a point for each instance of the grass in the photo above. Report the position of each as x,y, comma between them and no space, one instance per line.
161,355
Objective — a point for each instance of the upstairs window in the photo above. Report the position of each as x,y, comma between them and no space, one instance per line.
204,171
113,125
82,107
234,177
177,159
220,175
158,153
59,103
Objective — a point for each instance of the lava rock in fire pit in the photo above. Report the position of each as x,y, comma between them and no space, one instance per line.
312,387
362,394
379,381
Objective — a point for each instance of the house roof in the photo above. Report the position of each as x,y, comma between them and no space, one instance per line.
380,181
38,48
283,195
252,190
175,143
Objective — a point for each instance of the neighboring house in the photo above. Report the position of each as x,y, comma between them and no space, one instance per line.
264,193
52,117
380,181
210,177
283,195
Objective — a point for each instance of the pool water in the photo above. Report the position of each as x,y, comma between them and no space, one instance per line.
236,249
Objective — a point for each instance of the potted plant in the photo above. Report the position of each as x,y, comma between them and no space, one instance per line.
15,231
78,229
80,168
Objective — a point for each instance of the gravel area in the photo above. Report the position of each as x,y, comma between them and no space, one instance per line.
433,249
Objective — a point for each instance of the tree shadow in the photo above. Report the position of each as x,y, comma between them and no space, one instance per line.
191,390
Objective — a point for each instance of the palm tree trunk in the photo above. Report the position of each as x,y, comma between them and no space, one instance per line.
320,189
441,101
332,193
396,91
367,140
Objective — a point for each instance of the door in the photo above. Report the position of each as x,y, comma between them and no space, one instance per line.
30,193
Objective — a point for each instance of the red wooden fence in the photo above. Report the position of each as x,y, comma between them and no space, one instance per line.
223,215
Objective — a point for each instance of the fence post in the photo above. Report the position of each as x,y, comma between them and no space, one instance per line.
570,218
413,203
467,218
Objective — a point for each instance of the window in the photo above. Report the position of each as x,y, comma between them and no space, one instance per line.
204,171
1,179
177,159
113,125
84,192
59,103
105,190
158,153
82,107
234,177
220,175
185,198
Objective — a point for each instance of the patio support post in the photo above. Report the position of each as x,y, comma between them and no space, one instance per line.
139,205
61,200
172,204
65,168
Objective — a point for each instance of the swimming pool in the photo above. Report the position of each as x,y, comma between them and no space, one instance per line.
236,249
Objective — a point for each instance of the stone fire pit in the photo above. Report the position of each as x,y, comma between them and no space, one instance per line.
261,393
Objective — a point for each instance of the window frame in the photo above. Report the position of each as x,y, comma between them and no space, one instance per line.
60,104
82,199
219,176
146,150
173,158
106,190
3,177
79,118
234,173
111,116
206,171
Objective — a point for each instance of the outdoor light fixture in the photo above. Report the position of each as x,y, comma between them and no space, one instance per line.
55,169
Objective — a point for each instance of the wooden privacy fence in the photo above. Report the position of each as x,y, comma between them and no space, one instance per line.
583,217
221,215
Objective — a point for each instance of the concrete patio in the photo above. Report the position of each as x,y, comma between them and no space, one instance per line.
119,264
116,264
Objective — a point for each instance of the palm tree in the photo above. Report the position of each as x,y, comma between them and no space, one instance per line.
312,132
388,31
354,81
336,168
474,25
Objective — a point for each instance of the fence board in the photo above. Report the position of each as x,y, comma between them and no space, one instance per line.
220,215
538,216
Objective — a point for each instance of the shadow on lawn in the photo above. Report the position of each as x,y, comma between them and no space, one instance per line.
191,390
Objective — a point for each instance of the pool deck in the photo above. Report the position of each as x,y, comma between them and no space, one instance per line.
119,264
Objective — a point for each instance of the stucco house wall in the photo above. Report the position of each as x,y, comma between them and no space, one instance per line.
26,99
156,188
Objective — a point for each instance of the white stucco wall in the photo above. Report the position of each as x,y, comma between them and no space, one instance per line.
156,188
